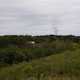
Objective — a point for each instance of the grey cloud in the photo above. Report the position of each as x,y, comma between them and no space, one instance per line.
39,16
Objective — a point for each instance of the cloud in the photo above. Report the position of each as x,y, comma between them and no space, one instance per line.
39,16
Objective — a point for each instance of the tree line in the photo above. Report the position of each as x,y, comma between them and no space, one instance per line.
18,48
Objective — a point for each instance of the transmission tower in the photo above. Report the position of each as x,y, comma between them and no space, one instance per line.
54,26
55,30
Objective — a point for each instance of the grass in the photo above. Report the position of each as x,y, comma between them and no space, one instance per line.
63,66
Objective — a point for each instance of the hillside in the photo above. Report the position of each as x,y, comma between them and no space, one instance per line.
63,66
16,49
39,57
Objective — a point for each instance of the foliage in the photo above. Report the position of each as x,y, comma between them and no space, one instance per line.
51,57
16,49
54,67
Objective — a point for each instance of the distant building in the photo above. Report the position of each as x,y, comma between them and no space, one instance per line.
32,42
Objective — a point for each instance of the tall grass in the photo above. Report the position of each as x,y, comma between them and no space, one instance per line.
55,67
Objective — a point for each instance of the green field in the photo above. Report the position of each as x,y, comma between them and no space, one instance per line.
63,66
50,58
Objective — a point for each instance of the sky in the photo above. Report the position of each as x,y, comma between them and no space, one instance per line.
39,17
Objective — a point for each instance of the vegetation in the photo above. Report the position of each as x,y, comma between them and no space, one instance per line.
46,57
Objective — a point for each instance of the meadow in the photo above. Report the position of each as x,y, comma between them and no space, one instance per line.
50,58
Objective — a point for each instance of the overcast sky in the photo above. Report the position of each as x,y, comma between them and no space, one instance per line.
37,17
